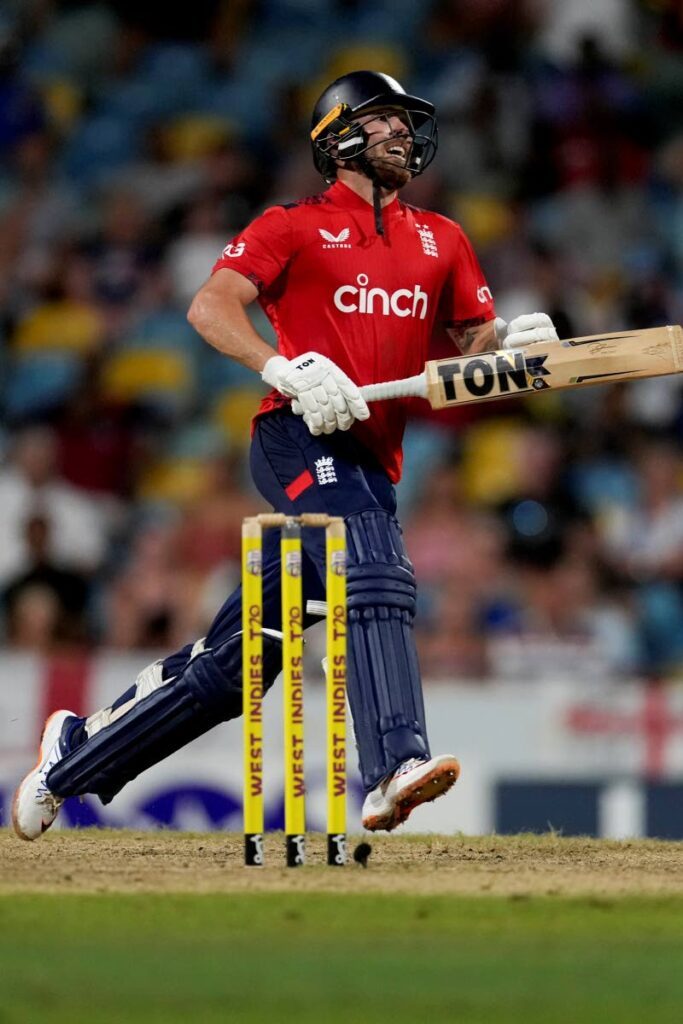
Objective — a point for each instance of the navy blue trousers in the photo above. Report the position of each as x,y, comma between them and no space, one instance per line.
297,472
282,452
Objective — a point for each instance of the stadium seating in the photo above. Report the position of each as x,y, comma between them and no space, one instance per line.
39,383
158,379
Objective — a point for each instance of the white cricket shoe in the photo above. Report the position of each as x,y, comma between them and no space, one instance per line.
413,783
34,807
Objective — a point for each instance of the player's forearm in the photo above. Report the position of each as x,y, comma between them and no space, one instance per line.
472,336
218,314
228,328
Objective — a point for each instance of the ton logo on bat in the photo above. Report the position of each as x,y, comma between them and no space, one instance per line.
509,371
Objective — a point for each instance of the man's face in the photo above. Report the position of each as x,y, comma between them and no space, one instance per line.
389,142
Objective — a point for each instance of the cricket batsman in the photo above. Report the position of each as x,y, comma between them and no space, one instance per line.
355,283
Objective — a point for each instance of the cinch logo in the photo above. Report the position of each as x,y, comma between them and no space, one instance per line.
403,302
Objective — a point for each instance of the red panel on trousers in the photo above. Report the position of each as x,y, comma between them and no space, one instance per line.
299,485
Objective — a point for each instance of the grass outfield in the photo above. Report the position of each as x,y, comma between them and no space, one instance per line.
280,957
105,927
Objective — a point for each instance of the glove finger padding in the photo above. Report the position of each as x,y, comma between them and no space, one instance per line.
527,321
344,420
357,405
339,403
318,395
530,337
314,424
329,417
312,412
319,414
325,419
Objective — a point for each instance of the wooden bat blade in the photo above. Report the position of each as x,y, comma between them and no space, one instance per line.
575,362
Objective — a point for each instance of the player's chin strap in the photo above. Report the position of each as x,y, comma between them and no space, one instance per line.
377,206
369,171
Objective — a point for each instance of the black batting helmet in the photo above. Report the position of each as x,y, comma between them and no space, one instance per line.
335,135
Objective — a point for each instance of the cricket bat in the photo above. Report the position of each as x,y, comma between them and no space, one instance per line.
573,363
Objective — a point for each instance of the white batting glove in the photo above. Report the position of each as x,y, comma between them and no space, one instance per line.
525,330
327,399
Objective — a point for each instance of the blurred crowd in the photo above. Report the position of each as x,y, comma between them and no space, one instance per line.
547,534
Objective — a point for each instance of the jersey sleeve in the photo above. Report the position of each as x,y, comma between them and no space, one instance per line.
467,300
262,251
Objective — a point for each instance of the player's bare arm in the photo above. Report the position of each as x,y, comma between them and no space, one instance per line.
321,393
472,337
218,314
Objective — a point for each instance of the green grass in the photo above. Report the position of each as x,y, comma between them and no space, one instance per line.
317,957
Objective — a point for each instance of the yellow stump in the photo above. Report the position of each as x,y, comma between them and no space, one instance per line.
252,685
335,536
293,693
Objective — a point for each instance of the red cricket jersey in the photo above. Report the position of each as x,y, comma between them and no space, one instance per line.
329,283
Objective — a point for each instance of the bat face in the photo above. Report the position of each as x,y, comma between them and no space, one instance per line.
571,363
491,375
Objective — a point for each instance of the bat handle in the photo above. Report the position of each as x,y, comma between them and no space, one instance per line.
409,387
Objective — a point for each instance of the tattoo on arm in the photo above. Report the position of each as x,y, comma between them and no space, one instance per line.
475,335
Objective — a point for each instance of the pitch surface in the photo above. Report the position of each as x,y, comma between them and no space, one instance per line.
148,928
110,861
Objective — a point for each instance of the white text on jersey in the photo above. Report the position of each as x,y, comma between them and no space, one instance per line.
234,250
339,241
403,302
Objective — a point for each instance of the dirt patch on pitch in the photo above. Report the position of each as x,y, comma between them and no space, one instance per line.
107,861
